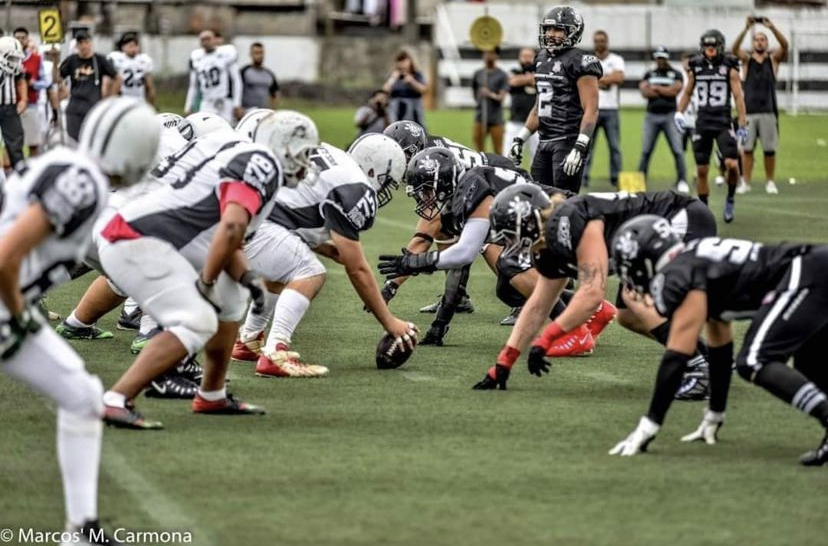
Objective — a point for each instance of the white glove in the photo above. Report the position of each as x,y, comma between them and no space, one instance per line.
680,121
708,428
638,440
575,158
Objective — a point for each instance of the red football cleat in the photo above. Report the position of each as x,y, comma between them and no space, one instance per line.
578,342
285,363
225,406
249,351
601,319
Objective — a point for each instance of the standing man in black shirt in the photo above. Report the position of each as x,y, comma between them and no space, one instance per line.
566,108
760,67
522,90
13,97
489,85
660,87
713,77
92,77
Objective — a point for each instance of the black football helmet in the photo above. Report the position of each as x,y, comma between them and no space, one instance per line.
639,248
515,218
714,38
409,135
563,17
430,179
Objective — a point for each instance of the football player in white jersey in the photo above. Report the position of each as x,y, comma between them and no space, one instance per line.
327,216
50,207
178,252
215,79
135,69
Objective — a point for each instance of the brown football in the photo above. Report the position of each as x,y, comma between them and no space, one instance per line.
389,357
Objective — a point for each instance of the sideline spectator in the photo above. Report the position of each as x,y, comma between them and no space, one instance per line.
13,97
373,117
608,101
259,86
660,87
406,86
522,90
759,68
35,74
215,82
92,78
489,86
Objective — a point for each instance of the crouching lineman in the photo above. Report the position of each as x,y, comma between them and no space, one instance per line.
326,215
714,281
46,224
177,251
571,238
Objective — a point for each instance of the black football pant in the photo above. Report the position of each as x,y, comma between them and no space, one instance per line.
547,167
12,130
792,321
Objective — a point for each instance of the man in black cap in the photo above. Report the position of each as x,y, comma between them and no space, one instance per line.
92,76
660,87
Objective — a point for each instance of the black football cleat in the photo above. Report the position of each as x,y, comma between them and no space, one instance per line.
191,369
173,386
128,417
695,386
817,457
435,334
495,378
88,534
130,321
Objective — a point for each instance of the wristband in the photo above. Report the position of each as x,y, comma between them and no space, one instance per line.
548,336
524,134
583,139
424,236
508,356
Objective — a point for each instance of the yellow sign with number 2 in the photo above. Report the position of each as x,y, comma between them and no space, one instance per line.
50,26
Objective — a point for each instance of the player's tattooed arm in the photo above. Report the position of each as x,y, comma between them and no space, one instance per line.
593,268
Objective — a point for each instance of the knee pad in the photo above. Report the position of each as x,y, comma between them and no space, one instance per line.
507,293
114,288
193,326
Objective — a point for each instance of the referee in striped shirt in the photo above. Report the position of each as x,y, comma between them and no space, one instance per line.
13,97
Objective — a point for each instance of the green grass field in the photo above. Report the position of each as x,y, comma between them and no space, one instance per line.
414,457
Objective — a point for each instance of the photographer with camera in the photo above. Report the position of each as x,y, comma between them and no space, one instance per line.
759,68
406,86
373,117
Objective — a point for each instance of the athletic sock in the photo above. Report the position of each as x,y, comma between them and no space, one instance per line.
793,387
731,191
79,455
703,198
213,396
255,323
290,309
130,305
72,320
148,324
114,399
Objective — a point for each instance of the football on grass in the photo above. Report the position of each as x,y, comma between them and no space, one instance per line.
390,357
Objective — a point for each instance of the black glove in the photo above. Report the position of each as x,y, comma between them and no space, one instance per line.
14,332
209,293
516,151
389,290
405,264
435,334
255,284
495,378
538,365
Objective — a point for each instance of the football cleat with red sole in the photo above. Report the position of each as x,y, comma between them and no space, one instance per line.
225,406
578,342
249,351
284,363
601,319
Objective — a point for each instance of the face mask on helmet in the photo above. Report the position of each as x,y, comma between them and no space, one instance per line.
516,225
640,248
567,21
383,162
11,55
430,179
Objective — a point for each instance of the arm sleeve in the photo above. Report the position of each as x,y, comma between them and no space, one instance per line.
191,90
466,249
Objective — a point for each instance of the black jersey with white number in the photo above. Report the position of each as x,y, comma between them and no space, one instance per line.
72,191
735,274
712,91
467,157
565,227
556,81
473,187
340,199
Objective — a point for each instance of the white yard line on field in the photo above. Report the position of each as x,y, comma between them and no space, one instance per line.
418,377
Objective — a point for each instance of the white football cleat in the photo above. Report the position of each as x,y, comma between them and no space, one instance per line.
771,188
720,180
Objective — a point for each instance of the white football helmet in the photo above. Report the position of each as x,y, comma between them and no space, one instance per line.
204,123
167,120
11,55
248,123
293,137
122,135
383,162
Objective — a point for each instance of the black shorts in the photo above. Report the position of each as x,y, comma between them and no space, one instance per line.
693,222
703,144
547,167
791,318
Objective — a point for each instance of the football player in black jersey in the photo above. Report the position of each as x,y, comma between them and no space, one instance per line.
714,281
569,239
714,77
456,204
566,109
